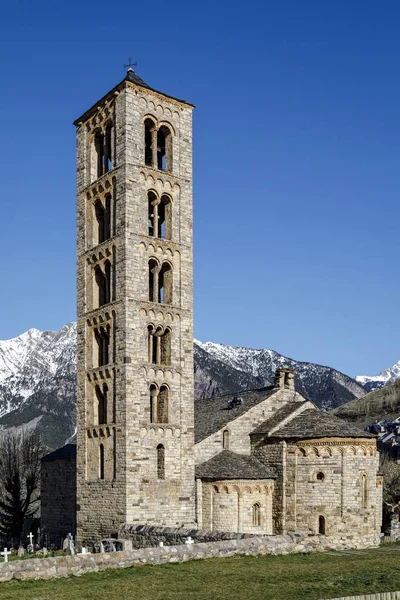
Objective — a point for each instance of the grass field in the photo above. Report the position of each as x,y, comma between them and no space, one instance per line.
291,577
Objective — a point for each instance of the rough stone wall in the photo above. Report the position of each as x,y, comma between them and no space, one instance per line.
274,455
324,478
240,428
145,536
229,505
131,490
58,500
48,568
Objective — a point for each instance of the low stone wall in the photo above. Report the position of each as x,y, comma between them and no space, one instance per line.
146,536
381,596
47,568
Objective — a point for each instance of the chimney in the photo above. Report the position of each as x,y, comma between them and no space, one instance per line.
284,378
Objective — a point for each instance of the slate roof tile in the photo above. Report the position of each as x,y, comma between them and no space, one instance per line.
229,465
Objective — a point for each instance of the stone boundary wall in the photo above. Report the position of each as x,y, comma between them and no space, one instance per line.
381,596
47,568
146,536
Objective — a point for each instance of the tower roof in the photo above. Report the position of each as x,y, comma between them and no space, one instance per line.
130,77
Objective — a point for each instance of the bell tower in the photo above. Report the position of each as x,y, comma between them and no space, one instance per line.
135,398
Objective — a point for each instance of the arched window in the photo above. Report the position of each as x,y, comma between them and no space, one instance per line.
154,269
153,403
160,462
165,284
149,127
256,515
153,213
101,461
164,149
364,491
102,338
101,283
162,405
225,439
321,524
108,144
107,218
166,347
99,148
164,218
101,404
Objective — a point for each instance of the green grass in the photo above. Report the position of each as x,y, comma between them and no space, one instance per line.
291,577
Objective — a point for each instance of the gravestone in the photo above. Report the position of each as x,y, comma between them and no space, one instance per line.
5,554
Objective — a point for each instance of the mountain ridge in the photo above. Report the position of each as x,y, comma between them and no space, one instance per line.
38,378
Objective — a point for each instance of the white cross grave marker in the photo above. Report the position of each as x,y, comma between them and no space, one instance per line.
189,541
5,554
161,544
30,536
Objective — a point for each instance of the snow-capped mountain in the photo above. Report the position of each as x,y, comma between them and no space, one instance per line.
378,381
221,369
38,373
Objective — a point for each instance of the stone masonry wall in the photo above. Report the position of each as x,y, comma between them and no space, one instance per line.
240,428
48,568
131,489
58,500
230,505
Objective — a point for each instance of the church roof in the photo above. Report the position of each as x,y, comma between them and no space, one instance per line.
211,414
132,78
66,452
279,416
314,423
229,465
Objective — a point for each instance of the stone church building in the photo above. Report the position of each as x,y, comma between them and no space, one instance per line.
267,461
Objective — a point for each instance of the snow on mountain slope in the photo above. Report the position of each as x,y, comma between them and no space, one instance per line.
378,381
38,378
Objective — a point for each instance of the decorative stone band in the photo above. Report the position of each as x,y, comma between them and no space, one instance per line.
48,568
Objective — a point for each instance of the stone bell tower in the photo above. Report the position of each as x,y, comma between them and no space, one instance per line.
135,459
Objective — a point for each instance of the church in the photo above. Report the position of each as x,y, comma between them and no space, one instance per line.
265,461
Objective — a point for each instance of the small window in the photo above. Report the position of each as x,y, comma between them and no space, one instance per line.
225,439
320,476
101,466
321,525
256,515
160,462
364,491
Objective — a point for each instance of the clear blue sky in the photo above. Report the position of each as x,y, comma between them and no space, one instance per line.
296,162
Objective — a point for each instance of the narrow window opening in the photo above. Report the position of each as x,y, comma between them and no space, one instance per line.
101,282
166,347
160,462
102,338
256,515
162,405
107,219
153,277
153,216
107,279
364,491
321,525
108,165
153,404
101,404
165,284
101,469
164,149
286,380
225,439
148,142
99,147
165,218
100,218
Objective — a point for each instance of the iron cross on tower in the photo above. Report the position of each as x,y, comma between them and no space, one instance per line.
130,64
